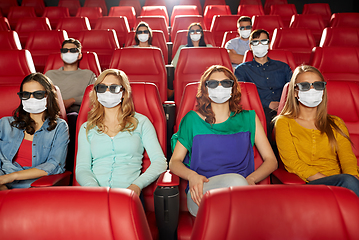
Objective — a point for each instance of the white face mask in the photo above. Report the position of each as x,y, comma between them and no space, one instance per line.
33,105
195,37
311,98
143,37
108,99
69,57
245,33
260,50
219,94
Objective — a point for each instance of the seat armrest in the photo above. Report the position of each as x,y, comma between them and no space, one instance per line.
62,179
286,177
168,179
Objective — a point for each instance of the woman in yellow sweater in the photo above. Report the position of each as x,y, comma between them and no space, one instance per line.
311,143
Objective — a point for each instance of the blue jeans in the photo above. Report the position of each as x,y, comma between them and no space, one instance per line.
340,180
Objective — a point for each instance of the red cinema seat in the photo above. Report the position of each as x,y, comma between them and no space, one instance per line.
133,3
155,23
212,10
9,40
158,40
119,24
250,2
213,2
278,212
267,22
92,13
74,25
118,214
285,11
184,10
38,5
103,42
314,22
269,3
192,2
15,13
250,10
89,61
181,39
222,24
147,102
14,71
97,3
340,37
31,24
193,62
55,13
43,43
124,11
345,20
155,11
337,63
280,55
4,24
72,5
182,23
299,41
322,9
6,5
155,3
152,66
228,36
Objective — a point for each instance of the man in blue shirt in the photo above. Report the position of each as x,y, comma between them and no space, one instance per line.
269,75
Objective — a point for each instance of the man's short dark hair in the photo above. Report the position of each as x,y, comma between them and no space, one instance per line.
257,33
244,19
73,41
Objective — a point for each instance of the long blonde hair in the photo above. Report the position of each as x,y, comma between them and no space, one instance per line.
96,115
323,121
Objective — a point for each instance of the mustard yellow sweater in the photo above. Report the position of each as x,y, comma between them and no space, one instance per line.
306,152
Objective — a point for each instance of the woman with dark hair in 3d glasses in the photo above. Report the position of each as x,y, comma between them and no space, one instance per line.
311,143
33,142
112,141
143,35
214,145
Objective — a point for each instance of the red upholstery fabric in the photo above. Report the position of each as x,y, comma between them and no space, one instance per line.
228,35
250,10
250,2
269,3
280,55
9,40
340,37
193,62
92,13
13,72
337,63
222,24
74,25
268,23
182,23
6,5
119,24
155,11
89,61
299,41
314,22
212,10
103,42
31,24
181,39
184,10
213,2
345,20
43,43
15,13
55,13
152,66
134,3
38,5
278,212
72,5
285,11
95,213
155,3
124,11
4,24
158,40
192,2
155,23
97,3
322,9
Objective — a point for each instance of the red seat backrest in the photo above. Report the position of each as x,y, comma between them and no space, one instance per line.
118,214
39,6
184,10
314,22
182,22
281,212
228,36
9,40
124,11
72,5
322,9
92,13
267,22
213,2
97,3
192,2
119,24
155,3
250,10
6,5
155,11
345,20
280,55
269,3
74,25
193,62
4,24
55,13
340,37
152,66
155,23
212,10
250,2
133,3
337,63
16,13
285,11
31,24
222,24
